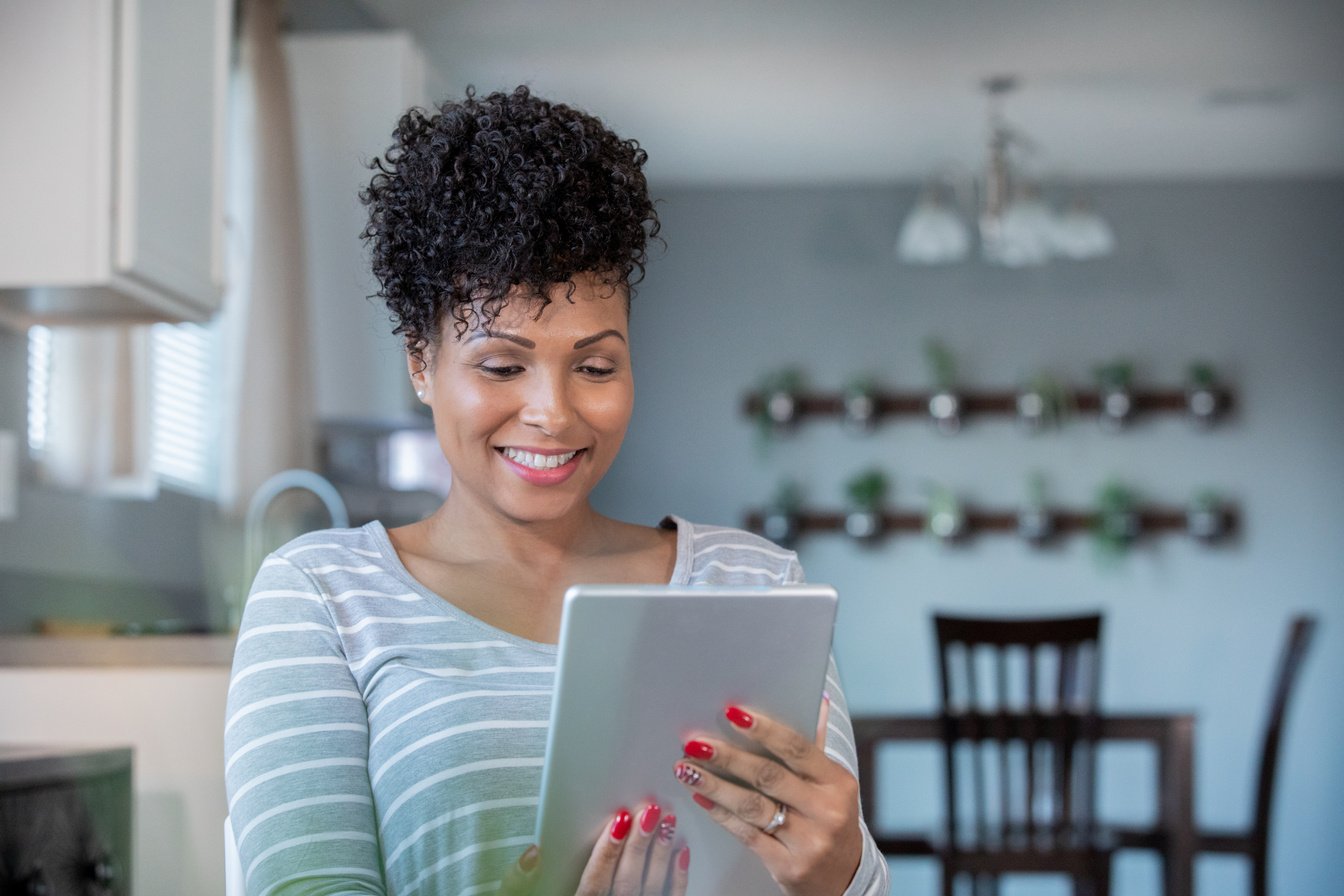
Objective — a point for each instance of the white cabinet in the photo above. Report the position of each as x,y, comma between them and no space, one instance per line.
349,91
112,129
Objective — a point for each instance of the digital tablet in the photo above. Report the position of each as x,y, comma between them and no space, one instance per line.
639,668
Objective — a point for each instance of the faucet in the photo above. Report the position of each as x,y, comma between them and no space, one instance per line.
265,495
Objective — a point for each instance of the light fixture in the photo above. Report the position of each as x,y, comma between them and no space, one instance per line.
1016,227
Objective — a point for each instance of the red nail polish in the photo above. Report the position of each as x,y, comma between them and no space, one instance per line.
620,825
702,801
698,749
528,860
649,818
684,858
739,717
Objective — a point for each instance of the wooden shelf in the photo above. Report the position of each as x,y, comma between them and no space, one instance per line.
1152,520
984,402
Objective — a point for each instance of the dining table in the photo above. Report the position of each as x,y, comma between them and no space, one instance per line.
1172,835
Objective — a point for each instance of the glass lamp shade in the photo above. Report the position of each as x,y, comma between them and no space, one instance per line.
1022,236
933,234
1081,233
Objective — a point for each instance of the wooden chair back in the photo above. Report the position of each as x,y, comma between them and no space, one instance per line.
1300,631
1019,699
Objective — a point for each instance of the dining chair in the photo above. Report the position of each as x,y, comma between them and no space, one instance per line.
1253,842
233,863
1019,700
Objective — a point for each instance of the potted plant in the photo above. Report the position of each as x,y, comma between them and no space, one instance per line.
867,493
1115,523
780,523
1206,516
778,408
861,405
1043,403
1115,393
1035,523
945,518
1202,400
945,402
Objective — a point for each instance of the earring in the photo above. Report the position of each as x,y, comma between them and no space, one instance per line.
420,393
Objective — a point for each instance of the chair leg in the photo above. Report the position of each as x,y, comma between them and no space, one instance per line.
1259,876
949,880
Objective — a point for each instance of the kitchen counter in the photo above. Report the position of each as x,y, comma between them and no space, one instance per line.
116,650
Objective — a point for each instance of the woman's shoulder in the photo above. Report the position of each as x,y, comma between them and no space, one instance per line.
715,554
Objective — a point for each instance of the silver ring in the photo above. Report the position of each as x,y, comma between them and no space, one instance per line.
777,822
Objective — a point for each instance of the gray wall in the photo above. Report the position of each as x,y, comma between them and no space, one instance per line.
1246,275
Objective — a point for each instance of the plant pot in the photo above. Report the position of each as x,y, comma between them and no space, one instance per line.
1031,410
946,525
1035,525
1206,523
1117,406
781,408
863,525
781,527
945,411
860,411
1120,526
1202,405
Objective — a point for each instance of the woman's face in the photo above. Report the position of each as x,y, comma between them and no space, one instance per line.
531,411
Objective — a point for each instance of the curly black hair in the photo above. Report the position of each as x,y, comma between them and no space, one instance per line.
496,193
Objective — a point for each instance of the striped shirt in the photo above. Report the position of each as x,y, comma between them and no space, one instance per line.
380,741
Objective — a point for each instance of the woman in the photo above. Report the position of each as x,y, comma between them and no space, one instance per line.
391,688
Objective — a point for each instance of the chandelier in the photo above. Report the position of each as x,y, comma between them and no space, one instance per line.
1016,227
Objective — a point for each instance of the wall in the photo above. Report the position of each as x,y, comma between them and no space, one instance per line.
1246,275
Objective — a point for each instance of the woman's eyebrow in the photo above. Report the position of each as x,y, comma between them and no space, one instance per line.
598,337
486,334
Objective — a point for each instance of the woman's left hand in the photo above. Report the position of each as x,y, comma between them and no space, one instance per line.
816,848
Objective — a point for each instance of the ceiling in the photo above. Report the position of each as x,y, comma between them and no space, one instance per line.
754,91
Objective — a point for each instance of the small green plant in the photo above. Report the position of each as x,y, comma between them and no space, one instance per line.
942,365
777,408
1115,524
868,490
861,403
1201,375
946,518
1115,375
1045,402
780,522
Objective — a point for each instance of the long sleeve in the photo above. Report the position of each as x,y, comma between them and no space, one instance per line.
873,876
296,747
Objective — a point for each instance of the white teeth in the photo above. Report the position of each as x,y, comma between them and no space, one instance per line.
539,461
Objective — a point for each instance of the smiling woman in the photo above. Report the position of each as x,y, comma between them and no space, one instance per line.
391,689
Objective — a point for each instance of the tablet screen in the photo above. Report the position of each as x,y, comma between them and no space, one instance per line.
640,668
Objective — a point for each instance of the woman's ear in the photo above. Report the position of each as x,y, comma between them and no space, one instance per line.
418,368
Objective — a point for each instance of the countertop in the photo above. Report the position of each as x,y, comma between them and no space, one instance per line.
116,650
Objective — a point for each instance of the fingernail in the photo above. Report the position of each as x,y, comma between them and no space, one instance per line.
698,749
826,695
687,774
528,860
684,858
620,825
739,717
649,818
702,801
668,829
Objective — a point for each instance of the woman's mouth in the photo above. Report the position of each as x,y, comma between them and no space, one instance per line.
534,461
540,468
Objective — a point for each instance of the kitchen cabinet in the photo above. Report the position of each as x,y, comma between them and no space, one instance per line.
349,91
112,133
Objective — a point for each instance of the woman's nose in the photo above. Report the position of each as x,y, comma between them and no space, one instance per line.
547,406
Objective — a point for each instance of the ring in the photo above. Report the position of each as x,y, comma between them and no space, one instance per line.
777,822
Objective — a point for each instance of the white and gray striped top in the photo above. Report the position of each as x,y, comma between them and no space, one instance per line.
379,740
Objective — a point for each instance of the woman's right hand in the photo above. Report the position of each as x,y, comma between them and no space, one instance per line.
634,856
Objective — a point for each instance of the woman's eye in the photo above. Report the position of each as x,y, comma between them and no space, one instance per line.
596,370
501,371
